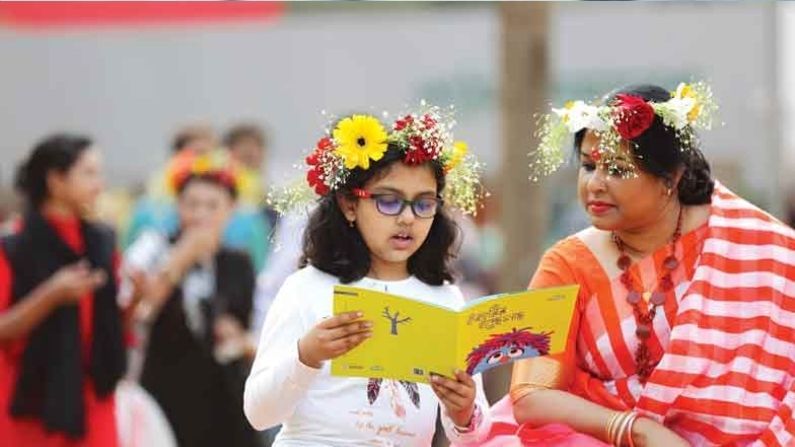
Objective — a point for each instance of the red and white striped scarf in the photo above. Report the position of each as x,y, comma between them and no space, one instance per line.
728,376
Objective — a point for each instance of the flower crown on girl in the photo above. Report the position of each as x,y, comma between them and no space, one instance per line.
216,164
356,140
624,118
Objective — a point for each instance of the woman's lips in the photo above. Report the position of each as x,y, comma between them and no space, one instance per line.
599,208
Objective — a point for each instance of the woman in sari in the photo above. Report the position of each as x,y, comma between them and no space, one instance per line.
684,328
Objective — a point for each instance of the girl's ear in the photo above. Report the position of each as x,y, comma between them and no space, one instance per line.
347,206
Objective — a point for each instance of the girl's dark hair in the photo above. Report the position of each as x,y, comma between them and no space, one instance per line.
210,177
58,153
659,152
332,246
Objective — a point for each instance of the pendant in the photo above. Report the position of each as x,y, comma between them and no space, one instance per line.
643,331
646,296
666,284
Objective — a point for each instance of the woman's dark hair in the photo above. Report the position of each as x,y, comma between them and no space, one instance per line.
218,179
57,153
332,246
659,152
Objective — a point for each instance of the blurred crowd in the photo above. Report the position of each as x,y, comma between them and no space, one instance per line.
202,261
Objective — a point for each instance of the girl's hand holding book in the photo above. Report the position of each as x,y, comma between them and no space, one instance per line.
457,396
332,338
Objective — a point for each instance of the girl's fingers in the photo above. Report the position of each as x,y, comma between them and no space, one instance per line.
465,378
456,387
449,399
339,320
345,344
348,329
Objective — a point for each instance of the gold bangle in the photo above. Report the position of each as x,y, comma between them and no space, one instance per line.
524,389
631,441
616,423
611,426
629,416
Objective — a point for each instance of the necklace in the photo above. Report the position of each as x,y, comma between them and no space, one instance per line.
644,314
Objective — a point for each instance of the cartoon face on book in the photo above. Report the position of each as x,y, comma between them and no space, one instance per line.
500,349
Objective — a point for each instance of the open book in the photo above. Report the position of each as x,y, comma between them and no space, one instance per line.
412,339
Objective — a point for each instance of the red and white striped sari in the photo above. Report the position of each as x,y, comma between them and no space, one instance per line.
725,336
728,374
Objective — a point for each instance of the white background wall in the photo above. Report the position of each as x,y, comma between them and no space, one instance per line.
131,88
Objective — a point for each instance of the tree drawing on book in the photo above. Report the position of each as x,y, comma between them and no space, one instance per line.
499,349
395,319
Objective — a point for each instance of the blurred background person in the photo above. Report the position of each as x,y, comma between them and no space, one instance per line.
247,228
246,143
252,225
197,306
155,209
61,346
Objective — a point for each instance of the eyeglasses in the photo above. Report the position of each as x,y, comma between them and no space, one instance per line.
391,204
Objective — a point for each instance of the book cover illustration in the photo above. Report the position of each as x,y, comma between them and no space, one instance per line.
413,338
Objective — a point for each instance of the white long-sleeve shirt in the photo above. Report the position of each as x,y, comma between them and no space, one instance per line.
315,408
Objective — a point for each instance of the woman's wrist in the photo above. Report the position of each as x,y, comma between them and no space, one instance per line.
640,431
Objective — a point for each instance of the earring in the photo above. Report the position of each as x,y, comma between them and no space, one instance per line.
669,192
351,224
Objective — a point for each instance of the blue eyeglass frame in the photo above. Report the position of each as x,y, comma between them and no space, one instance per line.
362,194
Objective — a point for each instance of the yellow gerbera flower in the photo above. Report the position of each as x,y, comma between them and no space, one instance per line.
360,138
457,154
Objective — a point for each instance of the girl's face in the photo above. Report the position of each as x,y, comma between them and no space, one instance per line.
613,200
393,239
79,187
204,204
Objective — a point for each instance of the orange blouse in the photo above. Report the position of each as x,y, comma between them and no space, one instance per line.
725,341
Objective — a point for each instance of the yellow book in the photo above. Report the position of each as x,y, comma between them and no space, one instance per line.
412,339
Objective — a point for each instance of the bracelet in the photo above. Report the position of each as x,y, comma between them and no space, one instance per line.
609,427
631,441
523,389
474,421
622,428
617,426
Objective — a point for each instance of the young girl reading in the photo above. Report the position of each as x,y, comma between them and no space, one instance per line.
381,224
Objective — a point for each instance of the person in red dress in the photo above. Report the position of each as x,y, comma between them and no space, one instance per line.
61,345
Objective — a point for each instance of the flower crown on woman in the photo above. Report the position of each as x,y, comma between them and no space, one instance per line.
357,140
624,117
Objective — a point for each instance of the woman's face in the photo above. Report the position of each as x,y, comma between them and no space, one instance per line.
613,199
80,186
204,204
392,240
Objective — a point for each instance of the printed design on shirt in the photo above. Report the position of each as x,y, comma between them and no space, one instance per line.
507,347
374,386
385,434
394,319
